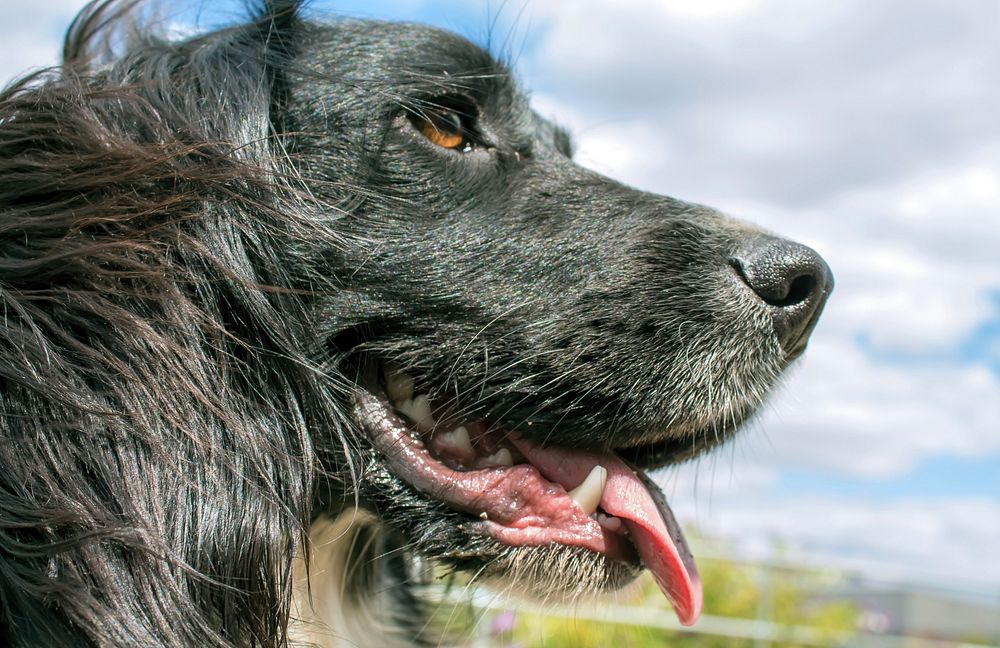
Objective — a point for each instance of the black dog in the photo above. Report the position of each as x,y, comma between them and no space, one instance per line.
290,280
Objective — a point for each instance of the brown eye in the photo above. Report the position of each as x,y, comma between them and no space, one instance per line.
448,122
443,127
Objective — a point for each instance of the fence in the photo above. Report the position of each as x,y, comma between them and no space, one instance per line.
966,617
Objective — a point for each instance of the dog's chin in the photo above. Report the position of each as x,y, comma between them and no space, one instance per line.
551,573
544,520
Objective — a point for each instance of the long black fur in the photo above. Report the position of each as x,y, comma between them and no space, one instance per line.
157,404
206,242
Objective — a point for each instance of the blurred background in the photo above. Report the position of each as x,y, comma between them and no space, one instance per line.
863,506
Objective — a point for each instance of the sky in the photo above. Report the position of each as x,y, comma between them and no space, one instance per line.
867,130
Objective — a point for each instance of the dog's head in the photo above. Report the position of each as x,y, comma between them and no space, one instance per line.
518,326
287,269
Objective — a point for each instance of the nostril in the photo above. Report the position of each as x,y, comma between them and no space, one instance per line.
799,290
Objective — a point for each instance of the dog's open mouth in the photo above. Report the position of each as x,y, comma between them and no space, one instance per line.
525,494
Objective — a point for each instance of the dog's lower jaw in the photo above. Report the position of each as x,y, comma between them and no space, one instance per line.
529,503
354,590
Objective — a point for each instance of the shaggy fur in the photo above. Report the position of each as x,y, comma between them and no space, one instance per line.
206,244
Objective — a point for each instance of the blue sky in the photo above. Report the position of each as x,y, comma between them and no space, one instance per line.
867,130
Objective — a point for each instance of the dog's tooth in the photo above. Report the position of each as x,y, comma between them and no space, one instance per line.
398,385
404,407
610,523
501,457
588,494
457,441
420,413
418,410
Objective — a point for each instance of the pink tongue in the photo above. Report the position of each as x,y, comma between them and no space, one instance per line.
632,497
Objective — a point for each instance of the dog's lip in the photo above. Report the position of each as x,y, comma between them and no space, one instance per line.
528,504
532,511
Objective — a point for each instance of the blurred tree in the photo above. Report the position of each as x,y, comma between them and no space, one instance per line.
786,596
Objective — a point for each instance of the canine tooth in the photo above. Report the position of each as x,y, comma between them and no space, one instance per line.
588,494
501,457
398,385
420,413
413,411
458,441
404,407
484,516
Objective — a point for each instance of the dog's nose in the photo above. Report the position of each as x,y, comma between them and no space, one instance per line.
793,280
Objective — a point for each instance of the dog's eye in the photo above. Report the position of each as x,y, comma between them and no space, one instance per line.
443,127
448,126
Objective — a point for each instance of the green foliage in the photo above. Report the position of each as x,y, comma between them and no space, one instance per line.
732,590
555,632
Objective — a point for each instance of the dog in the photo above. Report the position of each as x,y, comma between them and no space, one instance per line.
292,310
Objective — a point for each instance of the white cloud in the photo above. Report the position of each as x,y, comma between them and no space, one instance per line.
698,9
787,101
844,414
848,414
916,259
948,541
